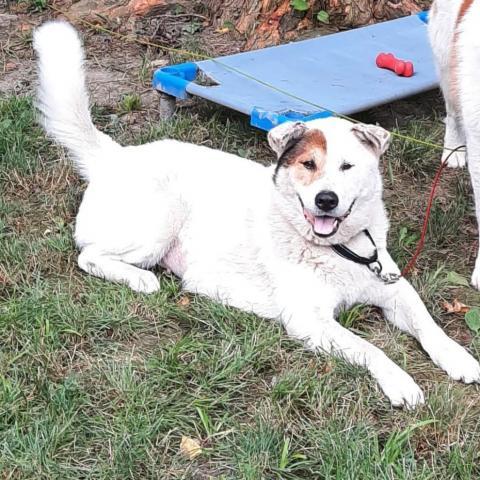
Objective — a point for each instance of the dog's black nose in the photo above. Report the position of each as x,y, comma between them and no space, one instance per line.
326,200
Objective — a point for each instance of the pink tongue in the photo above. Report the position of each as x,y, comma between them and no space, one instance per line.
324,225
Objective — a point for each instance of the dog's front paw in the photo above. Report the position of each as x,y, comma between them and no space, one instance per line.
401,389
457,362
144,282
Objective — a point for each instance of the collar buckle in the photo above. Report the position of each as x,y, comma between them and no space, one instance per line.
387,278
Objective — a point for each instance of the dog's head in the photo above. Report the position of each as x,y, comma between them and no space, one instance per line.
329,169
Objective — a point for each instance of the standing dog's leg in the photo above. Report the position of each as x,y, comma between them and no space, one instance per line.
470,101
111,267
403,307
454,134
441,29
454,137
473,148
317,327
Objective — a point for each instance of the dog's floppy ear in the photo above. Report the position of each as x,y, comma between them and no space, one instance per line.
375,138
281,138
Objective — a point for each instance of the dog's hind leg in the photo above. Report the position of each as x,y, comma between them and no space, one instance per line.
403,307
111,267
119,242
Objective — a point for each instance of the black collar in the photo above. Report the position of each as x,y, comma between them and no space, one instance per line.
371,262
345,252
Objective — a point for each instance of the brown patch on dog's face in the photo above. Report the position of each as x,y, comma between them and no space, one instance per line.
307,157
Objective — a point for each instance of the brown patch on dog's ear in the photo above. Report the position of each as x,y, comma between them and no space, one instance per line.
312,142
375,138
285,135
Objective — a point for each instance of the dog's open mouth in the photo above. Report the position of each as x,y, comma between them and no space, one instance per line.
325,225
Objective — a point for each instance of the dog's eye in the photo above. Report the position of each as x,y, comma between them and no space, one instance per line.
346,166
309,165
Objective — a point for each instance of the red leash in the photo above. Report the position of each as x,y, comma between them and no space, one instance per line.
421,242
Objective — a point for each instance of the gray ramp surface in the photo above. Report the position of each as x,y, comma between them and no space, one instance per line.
337,72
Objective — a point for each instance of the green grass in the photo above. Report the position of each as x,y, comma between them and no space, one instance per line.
34,5
21,141
130,103
97,382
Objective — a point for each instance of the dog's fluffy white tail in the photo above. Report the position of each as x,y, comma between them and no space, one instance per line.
62,94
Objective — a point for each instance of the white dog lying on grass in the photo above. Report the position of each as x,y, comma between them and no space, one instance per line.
297,241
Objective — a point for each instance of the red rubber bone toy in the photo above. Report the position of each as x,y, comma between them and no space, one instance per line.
400,67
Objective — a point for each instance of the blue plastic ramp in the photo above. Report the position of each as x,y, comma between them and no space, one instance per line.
337,72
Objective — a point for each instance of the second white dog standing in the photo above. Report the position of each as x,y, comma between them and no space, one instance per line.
453,29
263,239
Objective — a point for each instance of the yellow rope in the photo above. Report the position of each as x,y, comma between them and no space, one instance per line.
201,56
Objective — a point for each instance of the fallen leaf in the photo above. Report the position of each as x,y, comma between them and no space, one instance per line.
455,307
457,279
190,447
322,16
184,302
300,5
142,7
159,62
472,319
327,368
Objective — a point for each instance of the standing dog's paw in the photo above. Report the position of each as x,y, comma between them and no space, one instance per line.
457,362
456,160
476,277
401,389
